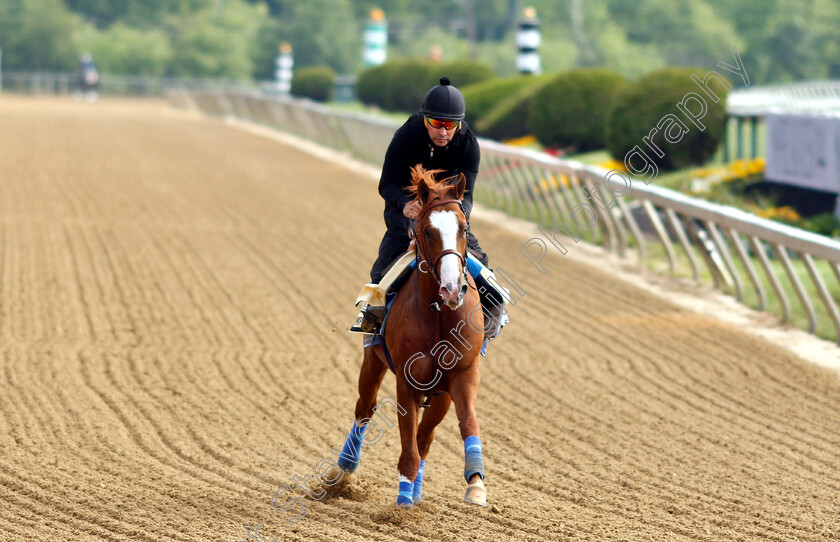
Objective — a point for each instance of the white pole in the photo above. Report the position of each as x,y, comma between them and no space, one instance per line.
283,73
527,41
375,39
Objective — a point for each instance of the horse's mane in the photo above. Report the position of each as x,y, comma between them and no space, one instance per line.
438,189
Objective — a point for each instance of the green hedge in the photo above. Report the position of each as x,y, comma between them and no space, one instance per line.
408,83
572,110
370,83
401,85
463,73
482,97
641,105
316,83
508,118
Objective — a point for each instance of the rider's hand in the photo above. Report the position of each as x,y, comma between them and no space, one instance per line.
411,245
411,209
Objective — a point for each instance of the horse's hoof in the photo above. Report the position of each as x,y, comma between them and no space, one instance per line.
404,502
348,466
476,493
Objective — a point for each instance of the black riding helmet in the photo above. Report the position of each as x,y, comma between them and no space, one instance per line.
444,102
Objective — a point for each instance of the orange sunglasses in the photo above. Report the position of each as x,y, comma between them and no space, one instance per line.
437,124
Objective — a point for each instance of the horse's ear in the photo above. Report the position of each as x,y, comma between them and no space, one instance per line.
422,190
461,187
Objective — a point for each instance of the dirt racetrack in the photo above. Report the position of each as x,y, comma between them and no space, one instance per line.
173,299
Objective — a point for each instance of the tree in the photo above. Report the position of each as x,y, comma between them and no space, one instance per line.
216,41
99,12
38,35
392,8
128,51
800,41
324,33
780,40
683,32
265,47
134,13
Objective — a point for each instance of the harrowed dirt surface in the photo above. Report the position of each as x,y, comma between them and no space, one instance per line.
174,294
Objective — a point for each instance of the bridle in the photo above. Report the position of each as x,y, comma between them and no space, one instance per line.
421,255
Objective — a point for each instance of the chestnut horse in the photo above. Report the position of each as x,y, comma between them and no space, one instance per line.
434,334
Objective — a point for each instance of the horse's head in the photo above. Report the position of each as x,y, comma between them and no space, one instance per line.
441,233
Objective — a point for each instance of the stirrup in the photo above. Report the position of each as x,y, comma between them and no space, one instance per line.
369,320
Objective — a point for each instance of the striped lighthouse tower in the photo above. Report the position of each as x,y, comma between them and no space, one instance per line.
283,70
375,39
528,40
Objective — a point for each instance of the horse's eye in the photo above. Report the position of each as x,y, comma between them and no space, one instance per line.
427,233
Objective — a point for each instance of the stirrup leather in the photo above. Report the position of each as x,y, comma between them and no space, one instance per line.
372,298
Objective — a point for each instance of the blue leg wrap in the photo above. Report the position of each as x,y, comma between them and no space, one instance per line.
418,482
351,454
406,494
473,464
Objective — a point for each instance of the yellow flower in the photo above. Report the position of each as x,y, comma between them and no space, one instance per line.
789,213
784,213
613,164
523,141
756,166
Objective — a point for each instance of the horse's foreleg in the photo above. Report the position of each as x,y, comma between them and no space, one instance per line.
464,390
432,416
409,462
370,378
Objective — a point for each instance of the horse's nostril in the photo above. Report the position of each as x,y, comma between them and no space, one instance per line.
463,290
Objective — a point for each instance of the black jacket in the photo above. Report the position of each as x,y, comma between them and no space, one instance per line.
410,146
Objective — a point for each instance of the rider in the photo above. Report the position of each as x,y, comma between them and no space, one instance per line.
436,138
88,78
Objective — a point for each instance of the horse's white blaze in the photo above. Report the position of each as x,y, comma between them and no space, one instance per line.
446,222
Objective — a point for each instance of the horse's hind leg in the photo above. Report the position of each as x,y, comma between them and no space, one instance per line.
432,416
370,378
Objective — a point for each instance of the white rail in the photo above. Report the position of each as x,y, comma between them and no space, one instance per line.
547,190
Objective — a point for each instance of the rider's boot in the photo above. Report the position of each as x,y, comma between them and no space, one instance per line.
493,298
369,319
372,297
